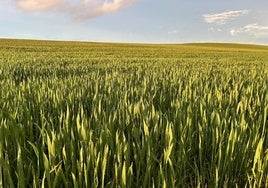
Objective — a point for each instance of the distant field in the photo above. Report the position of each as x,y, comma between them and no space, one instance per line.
77,114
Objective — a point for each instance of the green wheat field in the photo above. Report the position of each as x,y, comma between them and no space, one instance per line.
77,114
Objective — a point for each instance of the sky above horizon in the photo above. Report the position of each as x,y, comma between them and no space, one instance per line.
139,21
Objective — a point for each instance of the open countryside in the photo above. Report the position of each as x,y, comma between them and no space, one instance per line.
77,114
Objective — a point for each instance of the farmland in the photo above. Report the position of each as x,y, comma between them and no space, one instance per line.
76,114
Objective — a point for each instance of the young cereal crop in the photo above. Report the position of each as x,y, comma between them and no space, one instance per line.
124,115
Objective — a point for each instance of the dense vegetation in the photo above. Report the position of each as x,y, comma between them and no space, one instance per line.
130,115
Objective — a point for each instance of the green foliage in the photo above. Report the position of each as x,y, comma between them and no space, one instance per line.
124,115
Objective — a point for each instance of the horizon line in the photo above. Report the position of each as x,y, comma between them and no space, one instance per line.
141,42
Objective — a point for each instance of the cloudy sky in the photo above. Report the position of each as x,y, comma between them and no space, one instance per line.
149,21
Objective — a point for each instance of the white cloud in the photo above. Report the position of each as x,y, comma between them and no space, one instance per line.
173,32
214,29
81,10
96,8
255,30
223,18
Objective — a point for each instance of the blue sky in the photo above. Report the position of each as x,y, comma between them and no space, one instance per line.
145,21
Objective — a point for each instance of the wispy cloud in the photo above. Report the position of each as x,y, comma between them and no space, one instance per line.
81,10
224,17
255,30
39,5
